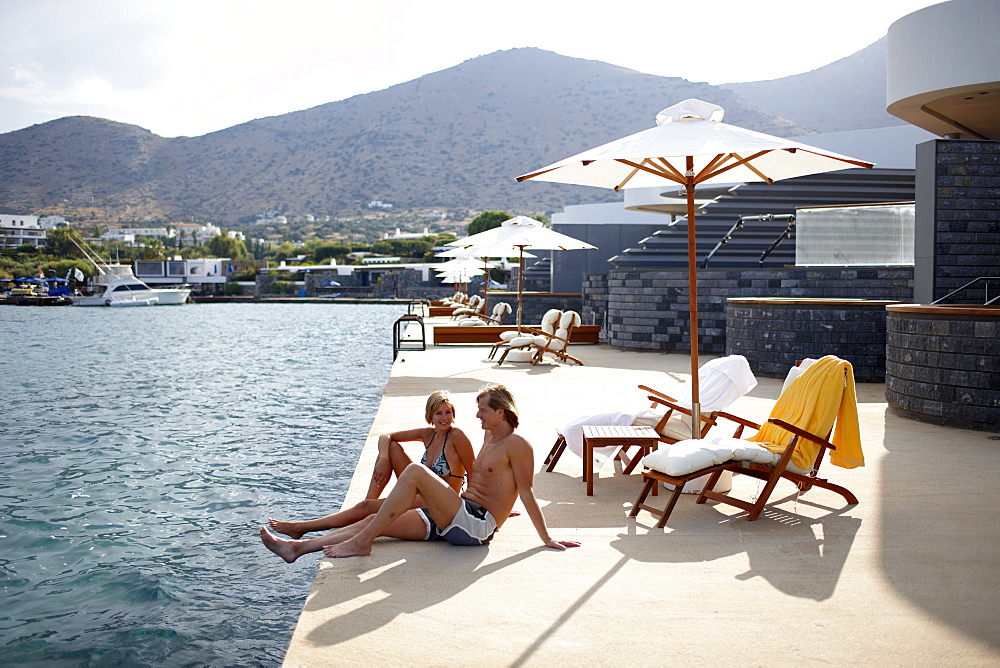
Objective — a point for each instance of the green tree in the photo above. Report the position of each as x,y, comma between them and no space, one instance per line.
227,246
487,220
321,253
285,250
59,242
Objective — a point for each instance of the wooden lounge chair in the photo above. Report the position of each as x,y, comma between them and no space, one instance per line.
475,305
496,315
791,445
671,427
479,318
525,337
722,380
557,342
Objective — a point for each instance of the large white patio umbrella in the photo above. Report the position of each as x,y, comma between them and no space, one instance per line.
518,233
690,145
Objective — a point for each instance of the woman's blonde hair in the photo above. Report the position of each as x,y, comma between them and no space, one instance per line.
500,398
434,402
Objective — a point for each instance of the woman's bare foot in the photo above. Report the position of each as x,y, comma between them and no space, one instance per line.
287,528
347,549
283,548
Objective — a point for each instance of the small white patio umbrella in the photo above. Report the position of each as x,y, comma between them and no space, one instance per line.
518,233
690,145
476,256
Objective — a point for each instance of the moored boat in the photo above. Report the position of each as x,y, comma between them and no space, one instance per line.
118,286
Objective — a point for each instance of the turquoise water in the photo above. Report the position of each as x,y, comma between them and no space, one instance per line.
141,449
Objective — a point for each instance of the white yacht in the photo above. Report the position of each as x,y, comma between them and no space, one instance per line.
116,285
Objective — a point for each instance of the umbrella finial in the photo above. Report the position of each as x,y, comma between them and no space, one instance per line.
691,110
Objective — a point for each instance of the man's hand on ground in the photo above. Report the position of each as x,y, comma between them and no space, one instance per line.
561,544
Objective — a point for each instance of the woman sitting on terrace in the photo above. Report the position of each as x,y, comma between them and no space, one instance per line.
447,452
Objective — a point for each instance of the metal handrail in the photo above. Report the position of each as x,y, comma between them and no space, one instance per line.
986,279
786,234
767,217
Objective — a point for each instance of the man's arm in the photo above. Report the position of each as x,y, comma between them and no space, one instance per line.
464,448
522,463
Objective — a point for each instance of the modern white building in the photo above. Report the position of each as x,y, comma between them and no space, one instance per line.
943,69
196,234
406,235
16,230
203,274
128,235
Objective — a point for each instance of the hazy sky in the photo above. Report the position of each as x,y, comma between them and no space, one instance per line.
188,67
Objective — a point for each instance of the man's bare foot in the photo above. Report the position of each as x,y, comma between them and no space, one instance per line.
346,549
282,548
287,528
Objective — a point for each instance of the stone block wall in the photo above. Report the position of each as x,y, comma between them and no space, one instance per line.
957,218
595,300
944,367
773,335
535,304
648,309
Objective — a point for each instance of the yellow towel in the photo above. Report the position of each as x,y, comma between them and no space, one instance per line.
812,402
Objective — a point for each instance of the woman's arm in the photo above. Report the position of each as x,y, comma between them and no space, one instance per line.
410,435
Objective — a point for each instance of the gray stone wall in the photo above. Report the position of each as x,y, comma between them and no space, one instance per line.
957,218
535,304
774,335
945,368
405,284
648,309
595,300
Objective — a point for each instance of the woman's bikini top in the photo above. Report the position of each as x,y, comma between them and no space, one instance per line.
440,465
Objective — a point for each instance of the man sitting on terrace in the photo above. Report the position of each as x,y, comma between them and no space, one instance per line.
503,471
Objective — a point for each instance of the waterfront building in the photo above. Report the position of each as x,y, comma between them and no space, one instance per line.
18,229
204,275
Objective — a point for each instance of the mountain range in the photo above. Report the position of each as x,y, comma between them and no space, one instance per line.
449,141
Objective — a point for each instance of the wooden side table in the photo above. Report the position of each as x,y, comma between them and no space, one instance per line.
645,438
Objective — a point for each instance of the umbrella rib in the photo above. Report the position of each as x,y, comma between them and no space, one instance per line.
670,168
642,166
742,161
705,173
628,178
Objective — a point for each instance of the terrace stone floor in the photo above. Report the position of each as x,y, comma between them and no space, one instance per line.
909,576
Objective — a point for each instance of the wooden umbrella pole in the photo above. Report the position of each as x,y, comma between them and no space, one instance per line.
486,286
693,300
520,285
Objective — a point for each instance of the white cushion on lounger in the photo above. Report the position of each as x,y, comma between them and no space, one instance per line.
471,322
688,456
677,427
521,341
507,336
550,320
796,371
569,319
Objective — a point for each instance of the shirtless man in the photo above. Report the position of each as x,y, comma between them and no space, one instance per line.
503,471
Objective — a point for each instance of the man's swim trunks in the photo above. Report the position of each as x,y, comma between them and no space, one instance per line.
472,525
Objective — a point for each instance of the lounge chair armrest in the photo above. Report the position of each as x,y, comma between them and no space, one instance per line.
657,393
707,418
741,423
669,404
802,433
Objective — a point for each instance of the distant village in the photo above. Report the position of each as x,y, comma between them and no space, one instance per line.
215,261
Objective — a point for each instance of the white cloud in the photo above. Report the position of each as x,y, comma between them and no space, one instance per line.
194,66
